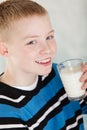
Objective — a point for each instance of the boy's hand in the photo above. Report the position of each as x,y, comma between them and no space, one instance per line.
84,77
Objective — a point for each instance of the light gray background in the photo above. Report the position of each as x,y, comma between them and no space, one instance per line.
69,19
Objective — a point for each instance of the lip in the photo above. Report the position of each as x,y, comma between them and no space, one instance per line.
45,61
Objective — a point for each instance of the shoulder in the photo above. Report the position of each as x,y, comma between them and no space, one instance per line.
53,76
55,69
57,78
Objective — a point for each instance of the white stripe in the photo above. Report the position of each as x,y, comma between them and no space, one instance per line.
83,101
43,77
12,126
74,124
47,112
13,100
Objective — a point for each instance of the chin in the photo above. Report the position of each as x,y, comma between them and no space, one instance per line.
45,72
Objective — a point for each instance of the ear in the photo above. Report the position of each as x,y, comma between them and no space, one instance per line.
3,49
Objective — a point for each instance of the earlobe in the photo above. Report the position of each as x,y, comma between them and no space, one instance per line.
3,49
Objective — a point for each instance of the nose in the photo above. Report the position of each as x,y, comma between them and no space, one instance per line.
45,48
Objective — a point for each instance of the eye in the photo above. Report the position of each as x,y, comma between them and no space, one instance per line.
50,37
31,42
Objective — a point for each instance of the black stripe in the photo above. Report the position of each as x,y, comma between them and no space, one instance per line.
14,129
48,117
10,121
14,93
68,122
84,102
47,106
73,120
13,121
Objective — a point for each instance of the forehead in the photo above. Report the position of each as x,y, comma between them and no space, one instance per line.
33,24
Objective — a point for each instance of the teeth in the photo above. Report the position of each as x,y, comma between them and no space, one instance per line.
44,61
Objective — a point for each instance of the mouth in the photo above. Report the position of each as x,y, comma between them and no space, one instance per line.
44,61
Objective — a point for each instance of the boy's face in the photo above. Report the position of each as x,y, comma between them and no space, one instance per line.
32,46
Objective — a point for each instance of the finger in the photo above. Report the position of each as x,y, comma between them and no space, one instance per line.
84,86
86,93
83,77
84,67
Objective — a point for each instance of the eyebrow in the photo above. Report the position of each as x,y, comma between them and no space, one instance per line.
33,36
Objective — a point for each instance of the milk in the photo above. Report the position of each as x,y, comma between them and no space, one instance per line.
71,80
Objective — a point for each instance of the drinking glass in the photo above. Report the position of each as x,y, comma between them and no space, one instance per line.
70,73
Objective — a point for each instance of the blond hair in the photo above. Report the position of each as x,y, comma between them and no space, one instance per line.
12,10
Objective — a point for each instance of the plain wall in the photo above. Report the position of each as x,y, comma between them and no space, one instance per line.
69,20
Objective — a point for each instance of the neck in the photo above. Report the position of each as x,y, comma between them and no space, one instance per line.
18,79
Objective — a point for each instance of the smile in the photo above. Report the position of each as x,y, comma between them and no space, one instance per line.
44,61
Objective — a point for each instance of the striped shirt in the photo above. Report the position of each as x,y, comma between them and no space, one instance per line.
44,108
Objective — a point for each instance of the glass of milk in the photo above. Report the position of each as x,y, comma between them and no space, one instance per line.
70,73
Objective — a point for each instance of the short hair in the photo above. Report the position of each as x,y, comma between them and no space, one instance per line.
12,10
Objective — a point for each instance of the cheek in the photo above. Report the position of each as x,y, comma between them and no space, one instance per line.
54,47
29,56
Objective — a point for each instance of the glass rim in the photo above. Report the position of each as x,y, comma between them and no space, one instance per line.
80,60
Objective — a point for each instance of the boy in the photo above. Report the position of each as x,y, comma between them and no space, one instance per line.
32,96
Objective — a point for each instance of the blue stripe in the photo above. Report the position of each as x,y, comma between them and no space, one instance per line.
31,108
67,113
9,111
58,121
70,109
45,94
41,99
84,109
